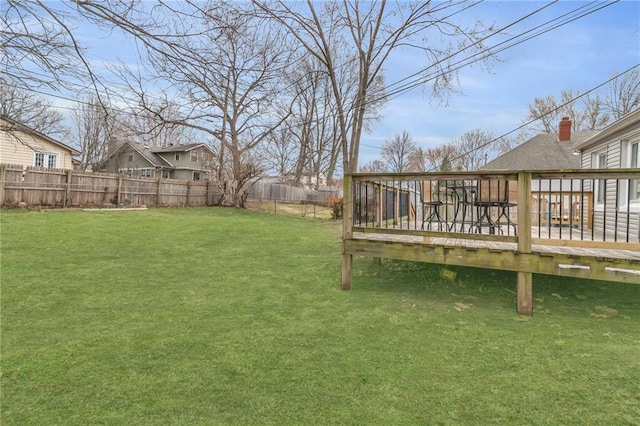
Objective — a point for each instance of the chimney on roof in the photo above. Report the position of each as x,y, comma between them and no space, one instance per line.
564,130
112,144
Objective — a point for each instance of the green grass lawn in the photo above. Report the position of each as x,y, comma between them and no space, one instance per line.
221,316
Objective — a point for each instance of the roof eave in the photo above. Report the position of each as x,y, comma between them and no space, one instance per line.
610,130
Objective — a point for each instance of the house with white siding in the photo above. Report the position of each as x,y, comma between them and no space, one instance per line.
615,147
21,145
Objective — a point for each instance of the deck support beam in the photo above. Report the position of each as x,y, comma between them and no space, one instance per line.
524,287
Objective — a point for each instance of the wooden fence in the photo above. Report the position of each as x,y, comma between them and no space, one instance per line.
35,186
266,191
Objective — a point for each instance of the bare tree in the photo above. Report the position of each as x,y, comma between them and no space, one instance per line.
32,110
281,152
37,49
375,166
157,124
438,158
624,94
371,31
92,132
473,149
224,72
544,109
397,152
587,112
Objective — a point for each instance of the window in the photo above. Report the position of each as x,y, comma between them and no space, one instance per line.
46,159
145,172
131,157
194,155
177,157
601,188
196,175
634,157
165,174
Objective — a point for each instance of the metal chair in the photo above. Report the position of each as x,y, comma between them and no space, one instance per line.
494,194
430,197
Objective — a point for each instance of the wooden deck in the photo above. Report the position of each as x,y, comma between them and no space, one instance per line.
384,219
473,244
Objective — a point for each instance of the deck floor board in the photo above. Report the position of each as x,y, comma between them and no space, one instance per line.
551,249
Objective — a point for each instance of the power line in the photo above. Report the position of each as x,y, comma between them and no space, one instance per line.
498,31
539,117
461,63
489,51
419,81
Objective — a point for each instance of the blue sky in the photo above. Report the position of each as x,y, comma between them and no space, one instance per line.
578,56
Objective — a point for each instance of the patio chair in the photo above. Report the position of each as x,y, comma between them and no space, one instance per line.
499,194
430,197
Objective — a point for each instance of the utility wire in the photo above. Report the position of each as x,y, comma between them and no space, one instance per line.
537,118
487,52
459,64
498,31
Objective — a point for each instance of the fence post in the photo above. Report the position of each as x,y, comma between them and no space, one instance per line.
347,232
67,191
158,184
524,290
119,195
3,177
188,191
206,199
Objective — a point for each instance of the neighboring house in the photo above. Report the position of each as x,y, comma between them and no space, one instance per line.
24,146
551,199
184,162
616,146
314,181
546,151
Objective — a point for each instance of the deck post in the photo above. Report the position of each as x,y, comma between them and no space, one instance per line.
347,232
524,289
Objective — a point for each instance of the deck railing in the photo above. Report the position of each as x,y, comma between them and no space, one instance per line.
529,222
596,205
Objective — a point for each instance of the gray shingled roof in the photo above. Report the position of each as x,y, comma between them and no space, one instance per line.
144,151
542,152
154,159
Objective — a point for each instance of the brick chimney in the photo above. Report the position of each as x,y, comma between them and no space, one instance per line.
564,130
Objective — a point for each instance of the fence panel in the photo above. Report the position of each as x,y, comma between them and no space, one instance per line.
198,194
93,189
266,191
67,188
44,187
12,179
139,191
172,192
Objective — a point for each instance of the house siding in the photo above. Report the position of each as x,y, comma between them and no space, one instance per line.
19,148
185,159
163,164
119,163
184,167
614,215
